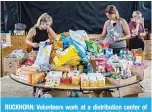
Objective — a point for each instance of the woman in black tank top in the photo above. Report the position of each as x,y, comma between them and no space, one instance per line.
40,32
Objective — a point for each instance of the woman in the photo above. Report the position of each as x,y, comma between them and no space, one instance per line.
115,29
137,31
40,32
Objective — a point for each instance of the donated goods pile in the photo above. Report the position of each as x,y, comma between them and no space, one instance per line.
74,59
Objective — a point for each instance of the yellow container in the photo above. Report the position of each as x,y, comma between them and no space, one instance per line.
101,81
85,81
75,80
93,81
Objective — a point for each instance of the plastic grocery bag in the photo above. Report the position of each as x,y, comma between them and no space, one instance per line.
65,56
80,48
44,53
65,40
93,47
75,61
79,36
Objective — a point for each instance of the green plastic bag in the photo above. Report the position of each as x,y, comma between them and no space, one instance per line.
93,47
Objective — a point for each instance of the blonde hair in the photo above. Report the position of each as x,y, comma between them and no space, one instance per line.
136,13
45,18
111,9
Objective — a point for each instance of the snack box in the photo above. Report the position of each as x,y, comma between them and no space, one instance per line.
84,81
76,80
100,80
93,81
55,74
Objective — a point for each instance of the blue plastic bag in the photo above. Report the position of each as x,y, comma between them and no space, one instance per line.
67,41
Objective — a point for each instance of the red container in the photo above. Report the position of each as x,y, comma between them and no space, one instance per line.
66,80
104,45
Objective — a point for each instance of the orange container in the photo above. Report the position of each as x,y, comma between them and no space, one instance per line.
139,53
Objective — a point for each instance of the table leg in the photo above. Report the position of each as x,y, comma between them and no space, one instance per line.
96,94
34,91
120,95
72,94
102,93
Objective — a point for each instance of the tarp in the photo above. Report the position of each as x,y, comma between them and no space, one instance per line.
76,15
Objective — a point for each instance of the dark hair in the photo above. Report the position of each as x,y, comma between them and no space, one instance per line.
111,9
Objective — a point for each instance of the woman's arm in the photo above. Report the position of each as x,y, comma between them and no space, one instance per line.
30,35
51,32
104,31
126,30
132,28
143,33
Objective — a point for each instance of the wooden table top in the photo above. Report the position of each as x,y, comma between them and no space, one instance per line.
68,86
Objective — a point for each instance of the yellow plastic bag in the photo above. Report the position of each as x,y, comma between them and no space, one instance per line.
53,54
57,44
65,56
75,61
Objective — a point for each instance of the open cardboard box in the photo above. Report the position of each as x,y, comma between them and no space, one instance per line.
120,82
129,91
138,73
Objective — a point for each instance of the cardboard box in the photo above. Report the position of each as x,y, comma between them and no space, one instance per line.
138,73
11,64
54,74
53,82
129,91
84,81
6,39
122,81
147,49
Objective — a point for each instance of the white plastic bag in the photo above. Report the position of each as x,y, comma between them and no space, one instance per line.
44,53
79,36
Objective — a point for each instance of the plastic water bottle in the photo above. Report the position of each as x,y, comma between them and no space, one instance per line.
121,53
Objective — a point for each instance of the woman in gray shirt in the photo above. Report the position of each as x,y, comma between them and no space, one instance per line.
115,29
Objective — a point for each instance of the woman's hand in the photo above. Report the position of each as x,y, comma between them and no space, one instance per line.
35,45
51,32
99,39
116,38
138,21
134,32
